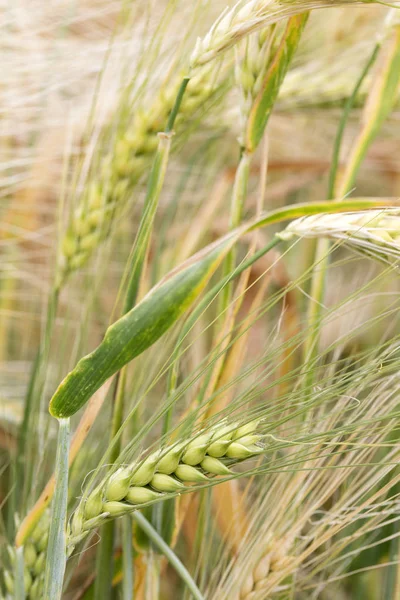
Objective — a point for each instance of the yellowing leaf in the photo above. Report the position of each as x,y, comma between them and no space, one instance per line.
265,100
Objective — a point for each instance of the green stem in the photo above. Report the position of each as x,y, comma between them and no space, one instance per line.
105,553
104,561
141,244
56,551
178,101
321,257
315,305
380,102
127,559
168,553
239,194
271,218
19,574
343,122
24,458
208,298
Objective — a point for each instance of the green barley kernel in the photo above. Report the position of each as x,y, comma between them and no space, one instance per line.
214,466
42,526
249,440
144,474
190,474
69,245
141,495
35,593
42,543
39,564
258,84
9,582
95,197
118,485
122,148
195,450
170,461
27,581
165,483
194,456
96,217
200,441
78,260
120,189
239,451
246,80
122,166
150,144
94,504
89,241
29,555
138,164
224,432
77,521
81,224
218,449
246,429
137,136
383,235
116,509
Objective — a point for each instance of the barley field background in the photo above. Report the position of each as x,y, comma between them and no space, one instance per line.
199,294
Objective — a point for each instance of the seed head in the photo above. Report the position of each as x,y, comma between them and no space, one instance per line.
375,232
165,473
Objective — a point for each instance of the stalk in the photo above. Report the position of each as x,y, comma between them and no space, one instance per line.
105,560
56,551
127,559
19,574
142,240
169,554
333,171
200,308
177,104
24,459
239,195
321,257
259,75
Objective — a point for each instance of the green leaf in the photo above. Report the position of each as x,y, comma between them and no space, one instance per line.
381,100
56,556
139,328
265,100
166,302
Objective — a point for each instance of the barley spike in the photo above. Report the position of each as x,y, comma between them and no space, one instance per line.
163,474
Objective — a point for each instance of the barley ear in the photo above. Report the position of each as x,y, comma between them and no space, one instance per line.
145,482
